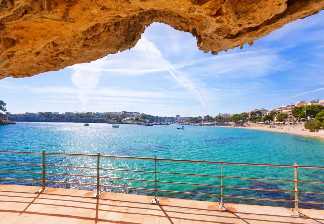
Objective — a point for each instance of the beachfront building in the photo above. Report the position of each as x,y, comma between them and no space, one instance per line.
287,110
312,102
317,102
321,102
300,103
261,111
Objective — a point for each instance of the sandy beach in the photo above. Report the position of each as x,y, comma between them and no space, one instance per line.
297,129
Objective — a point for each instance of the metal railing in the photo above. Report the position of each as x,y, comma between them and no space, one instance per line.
290,185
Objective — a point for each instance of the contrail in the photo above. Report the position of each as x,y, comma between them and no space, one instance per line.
85,77
310,91
189,85
179,77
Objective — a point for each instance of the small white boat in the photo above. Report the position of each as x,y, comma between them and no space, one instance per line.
115,126
180,128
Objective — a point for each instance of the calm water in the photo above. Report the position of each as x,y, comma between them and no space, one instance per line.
196,143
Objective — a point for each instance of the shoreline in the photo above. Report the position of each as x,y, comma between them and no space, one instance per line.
297,130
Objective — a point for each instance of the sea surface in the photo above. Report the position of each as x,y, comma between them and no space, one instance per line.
192,143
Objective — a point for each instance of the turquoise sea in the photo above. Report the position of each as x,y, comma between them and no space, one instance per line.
192,143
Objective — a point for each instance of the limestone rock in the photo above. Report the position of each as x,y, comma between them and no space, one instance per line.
44,35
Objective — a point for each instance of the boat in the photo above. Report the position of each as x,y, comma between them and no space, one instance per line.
86,125
180,128
115,126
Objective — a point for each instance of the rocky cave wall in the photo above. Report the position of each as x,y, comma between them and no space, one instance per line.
45,35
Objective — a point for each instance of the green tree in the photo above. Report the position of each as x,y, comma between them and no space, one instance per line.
255,116
237,118
245,116
208,118
313,110
3,106
313,125
267,118
3,109
221,118
281,117
299,113
271,116
320,117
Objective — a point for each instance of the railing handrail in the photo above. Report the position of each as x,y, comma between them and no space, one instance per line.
47,177
167,159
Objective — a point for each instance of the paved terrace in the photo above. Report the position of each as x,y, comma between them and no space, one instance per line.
22,204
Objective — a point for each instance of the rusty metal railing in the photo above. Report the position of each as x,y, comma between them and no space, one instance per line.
216,181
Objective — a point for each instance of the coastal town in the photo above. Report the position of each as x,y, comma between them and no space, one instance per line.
302,118
150,112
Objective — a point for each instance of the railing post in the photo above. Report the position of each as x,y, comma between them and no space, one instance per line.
221,204
98,176
296,192
155,200
43,170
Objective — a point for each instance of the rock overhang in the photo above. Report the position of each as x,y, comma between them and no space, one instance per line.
46,35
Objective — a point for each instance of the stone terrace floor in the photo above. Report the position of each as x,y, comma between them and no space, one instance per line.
21,204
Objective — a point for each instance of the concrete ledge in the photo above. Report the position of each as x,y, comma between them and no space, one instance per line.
22,204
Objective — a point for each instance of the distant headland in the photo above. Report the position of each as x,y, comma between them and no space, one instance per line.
123,117
3,115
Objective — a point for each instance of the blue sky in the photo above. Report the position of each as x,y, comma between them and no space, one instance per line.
166,74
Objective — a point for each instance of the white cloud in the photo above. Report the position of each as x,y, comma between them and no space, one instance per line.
144,58
108,93
299,33
240,65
